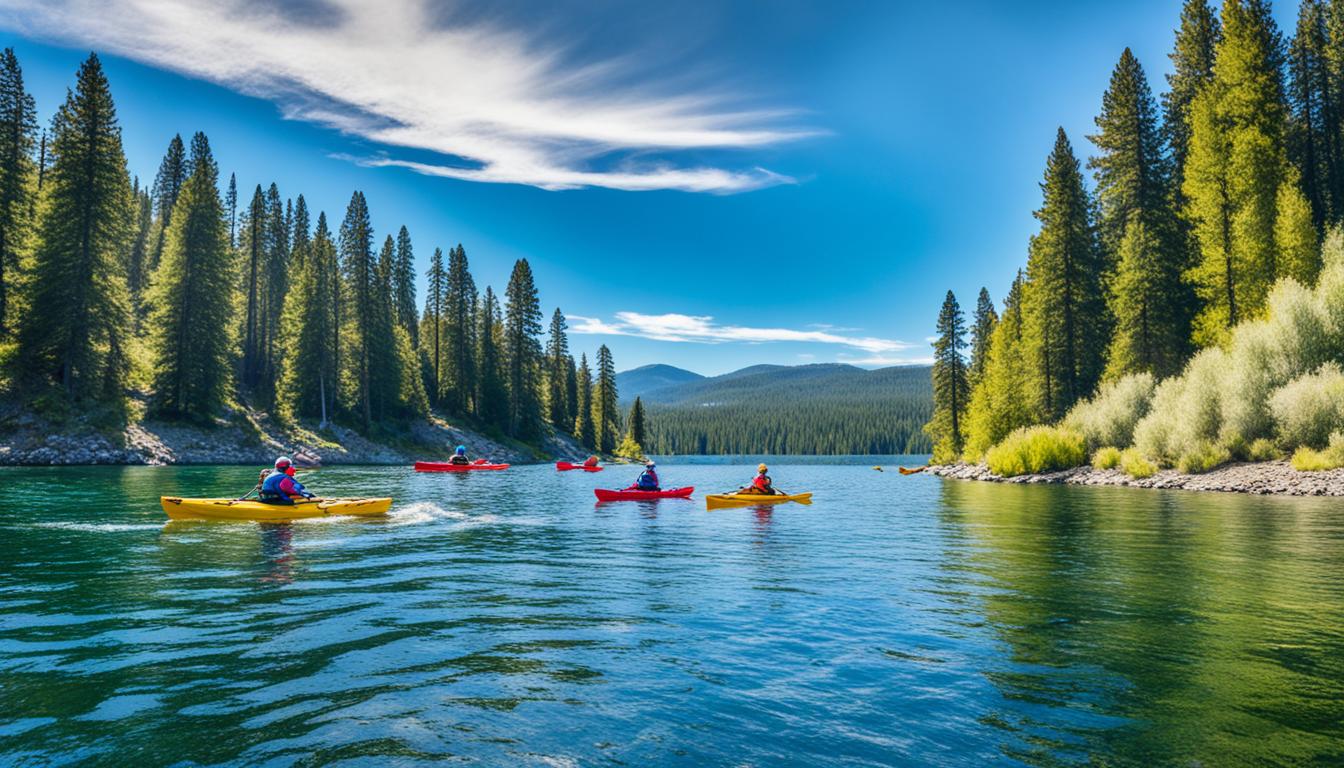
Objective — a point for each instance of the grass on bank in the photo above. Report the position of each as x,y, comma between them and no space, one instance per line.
1037,449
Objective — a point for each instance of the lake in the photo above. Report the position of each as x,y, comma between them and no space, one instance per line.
504,618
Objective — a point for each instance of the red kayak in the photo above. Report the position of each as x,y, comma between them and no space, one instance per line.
447,466
565,466
628,495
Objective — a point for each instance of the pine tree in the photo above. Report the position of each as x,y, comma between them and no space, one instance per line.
137,262
276,287
18,129
361,286
300,242
1149,303
1235,165
231,205
253,246
557,369
459,307
636,428
981,332
951,389
167,186
1315,127
403,286
309,369
1063,300
492,392
1192,64
192,298
522,353
998,405
606,417
571,391
583,421
77,320
1298,252
432,324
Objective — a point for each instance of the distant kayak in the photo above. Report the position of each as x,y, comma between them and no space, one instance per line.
447,466
627,495
907,471
231,509
565,466
748,499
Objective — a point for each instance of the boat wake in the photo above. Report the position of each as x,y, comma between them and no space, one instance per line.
429,512
102,527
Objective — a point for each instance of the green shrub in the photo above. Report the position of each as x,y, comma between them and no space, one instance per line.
1037,449
1311,460
1106,458
1134,464
1202,457
1309,408
1109,417
1263,450
1186,409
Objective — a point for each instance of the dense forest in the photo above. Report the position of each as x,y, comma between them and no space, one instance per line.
186,300
1186,305
810,409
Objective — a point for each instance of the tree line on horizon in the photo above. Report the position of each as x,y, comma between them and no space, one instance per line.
1200,204
201,300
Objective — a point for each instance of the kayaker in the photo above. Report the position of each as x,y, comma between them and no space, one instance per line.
648,479
762,484
280,487
460,456
591,461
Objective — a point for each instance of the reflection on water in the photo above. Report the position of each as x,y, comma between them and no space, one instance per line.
504,618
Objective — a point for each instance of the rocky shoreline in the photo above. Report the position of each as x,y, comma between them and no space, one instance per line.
1263,478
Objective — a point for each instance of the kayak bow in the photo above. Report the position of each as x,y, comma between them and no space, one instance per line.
232,509
747,499
445,466
628,495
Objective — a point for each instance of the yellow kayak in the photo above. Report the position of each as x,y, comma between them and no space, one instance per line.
748,499
229,509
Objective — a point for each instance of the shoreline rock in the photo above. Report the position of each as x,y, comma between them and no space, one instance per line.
1260,478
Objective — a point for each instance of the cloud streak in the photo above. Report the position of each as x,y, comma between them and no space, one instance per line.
703,330
492,104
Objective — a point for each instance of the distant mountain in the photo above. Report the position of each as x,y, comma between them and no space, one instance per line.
637,381
806,409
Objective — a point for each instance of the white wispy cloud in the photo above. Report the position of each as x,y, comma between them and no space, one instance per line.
498,104
702,329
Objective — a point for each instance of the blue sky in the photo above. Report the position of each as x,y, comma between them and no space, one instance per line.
705,184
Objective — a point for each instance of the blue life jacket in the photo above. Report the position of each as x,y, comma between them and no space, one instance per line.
647,481
270,487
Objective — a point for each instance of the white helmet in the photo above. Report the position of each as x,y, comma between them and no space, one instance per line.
283,462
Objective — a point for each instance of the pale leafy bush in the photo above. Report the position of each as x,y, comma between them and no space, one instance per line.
1202,457
1186,409
1037,449
1311,460
1263,449
1110,416
1307,409
1106,458
1133,463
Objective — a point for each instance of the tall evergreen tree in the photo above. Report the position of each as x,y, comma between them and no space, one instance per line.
276,287
571,391
583,421
253,245
492,391
981,332
522,353
1149,301
78,318
606,417
951,387
1235,166
1315,127
1192,69
18,131
432,325
167,186
137,262
307,382
360,271
1064,305
557,370
999,404
459,308
300,238
636,427
403,286
1295,243
231,205
192,298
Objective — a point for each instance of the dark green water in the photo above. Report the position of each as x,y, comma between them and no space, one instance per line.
505,619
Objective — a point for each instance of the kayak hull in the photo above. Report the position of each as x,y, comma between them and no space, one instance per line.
444,466
565,466
626,495
752,499
228,509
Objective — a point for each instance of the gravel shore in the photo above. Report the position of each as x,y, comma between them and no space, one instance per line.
1264,477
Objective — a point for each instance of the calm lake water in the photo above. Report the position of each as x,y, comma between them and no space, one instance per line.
505,619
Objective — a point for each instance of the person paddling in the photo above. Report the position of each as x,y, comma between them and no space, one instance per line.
762,484
648,479
591,461
460,456
279,485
